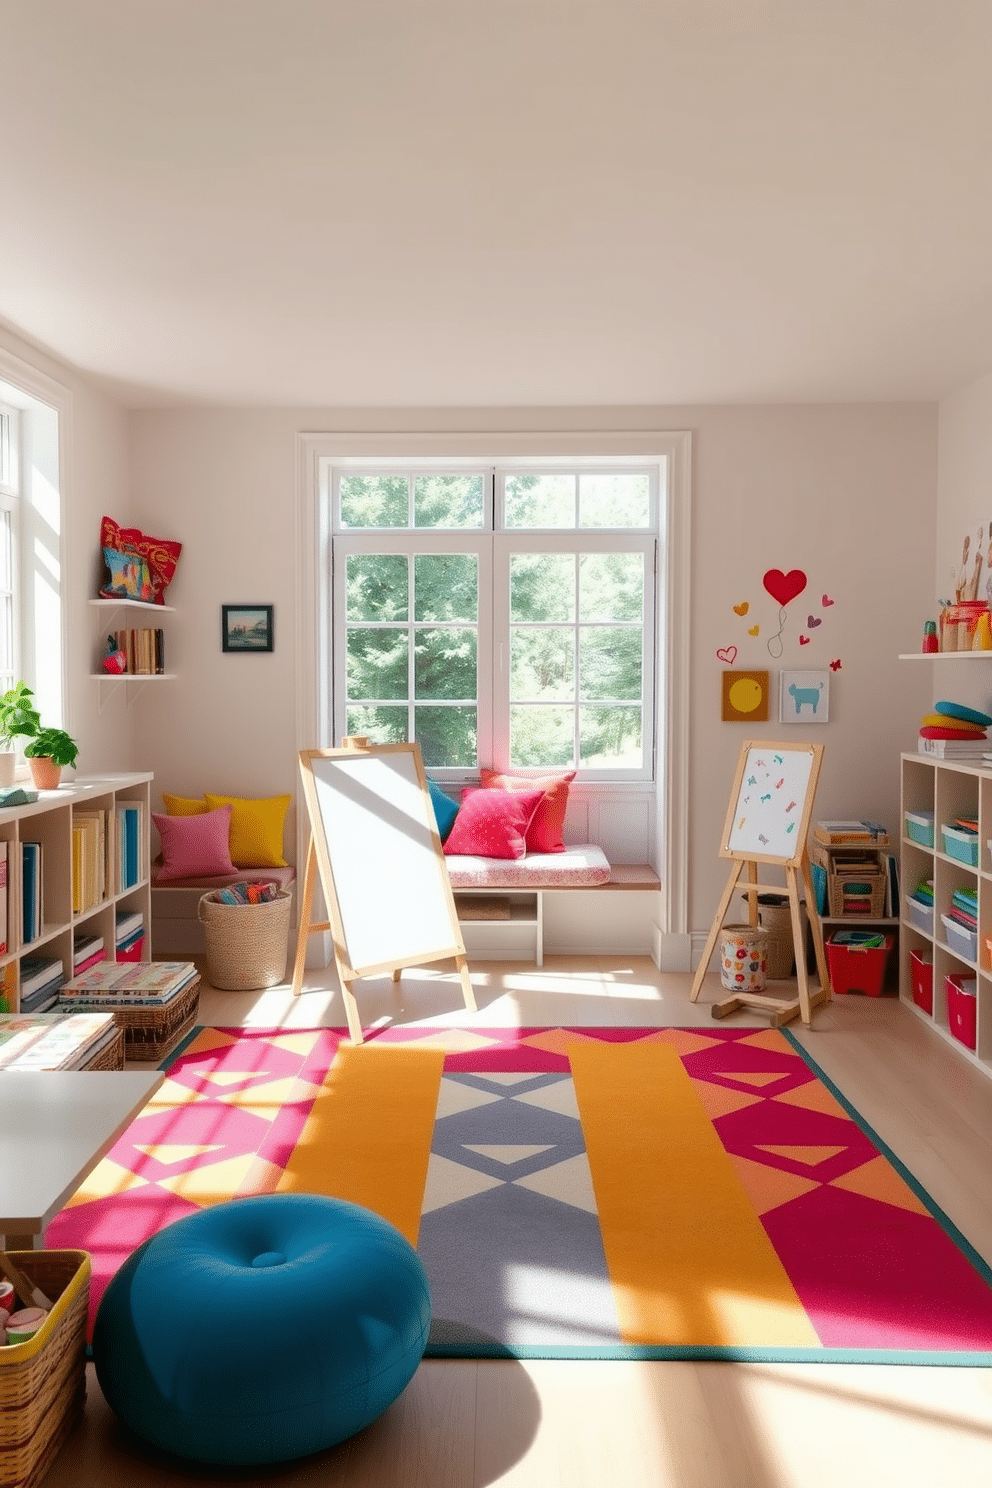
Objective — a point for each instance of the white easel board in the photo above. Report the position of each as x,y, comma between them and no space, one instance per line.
380,856
771,802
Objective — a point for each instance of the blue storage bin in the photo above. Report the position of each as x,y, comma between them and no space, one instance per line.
919,827
961,844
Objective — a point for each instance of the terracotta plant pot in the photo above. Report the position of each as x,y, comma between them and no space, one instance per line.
45,773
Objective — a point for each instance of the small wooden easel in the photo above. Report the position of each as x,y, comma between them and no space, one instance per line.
767,822
374,841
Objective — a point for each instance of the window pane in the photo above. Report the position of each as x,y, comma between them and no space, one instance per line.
614,500
609,662
375,501
377,586
445,663
446,587
447,501
540,500
377,663
610,738
542,586
380,725
542,664
447,736
611,586
541,736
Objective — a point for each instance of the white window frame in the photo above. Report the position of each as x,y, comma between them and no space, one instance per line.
315,449
10,443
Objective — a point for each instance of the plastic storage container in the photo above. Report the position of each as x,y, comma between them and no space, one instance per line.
856,963
962,941
919,827
961,844
962,1008
919,914
743,958
921,979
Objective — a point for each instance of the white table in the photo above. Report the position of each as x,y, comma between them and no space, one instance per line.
54,1128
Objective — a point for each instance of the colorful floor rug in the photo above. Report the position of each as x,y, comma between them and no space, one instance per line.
597,1193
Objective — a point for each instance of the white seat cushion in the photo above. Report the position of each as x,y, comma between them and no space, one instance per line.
576,868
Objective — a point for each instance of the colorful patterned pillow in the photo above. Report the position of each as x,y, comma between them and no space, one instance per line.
445,809
256,829
129,577
493,823
183,805
195,846
544,832
159,553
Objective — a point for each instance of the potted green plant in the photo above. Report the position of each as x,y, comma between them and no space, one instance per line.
19,718
47,754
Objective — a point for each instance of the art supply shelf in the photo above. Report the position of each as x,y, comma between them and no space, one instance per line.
936,945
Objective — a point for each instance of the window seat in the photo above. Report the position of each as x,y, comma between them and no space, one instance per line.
524,882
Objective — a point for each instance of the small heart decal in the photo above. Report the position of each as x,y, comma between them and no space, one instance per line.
804,640
727,654
784,586
835,665
826,601
812,621
754,630
742,608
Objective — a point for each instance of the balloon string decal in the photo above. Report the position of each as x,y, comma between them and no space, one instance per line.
775,643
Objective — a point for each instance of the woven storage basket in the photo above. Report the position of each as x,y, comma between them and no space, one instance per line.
43,1381
247,944
150,1033
775,916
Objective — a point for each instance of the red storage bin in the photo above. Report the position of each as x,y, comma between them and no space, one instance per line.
857,968
921,977
962,1008
134,950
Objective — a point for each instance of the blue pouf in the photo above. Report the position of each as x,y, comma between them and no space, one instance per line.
263,1329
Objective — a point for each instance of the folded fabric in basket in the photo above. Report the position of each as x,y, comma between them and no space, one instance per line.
245,893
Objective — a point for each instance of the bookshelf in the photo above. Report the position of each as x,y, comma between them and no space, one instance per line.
945,790
126,614
49,822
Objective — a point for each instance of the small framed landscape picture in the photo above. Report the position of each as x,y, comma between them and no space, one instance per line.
804,697
246,627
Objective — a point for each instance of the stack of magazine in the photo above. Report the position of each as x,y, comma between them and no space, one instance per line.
53,1041
127,984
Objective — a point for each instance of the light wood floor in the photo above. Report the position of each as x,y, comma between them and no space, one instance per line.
548,1424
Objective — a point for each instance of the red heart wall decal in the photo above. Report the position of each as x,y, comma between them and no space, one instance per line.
784,586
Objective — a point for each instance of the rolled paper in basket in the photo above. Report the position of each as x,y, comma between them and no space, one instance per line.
23,1325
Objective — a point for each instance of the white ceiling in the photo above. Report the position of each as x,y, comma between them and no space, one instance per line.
500,202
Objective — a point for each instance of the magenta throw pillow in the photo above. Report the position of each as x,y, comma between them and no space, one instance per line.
492,823
195,846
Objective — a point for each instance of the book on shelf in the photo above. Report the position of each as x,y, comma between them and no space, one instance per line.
53,1041
143,648
87,950
130,822
834,833
154,981
31,899
4,848
41,979
964,749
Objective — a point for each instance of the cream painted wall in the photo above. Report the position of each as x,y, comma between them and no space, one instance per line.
964,503
96,480
845,493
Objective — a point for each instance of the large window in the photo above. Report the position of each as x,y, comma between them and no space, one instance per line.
498,614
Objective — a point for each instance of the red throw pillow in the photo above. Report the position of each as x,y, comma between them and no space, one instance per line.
160,554
492,823
932,731
544,832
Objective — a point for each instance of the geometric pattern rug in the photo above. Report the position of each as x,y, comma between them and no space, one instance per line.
573,1193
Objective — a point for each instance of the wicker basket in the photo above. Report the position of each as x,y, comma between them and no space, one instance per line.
150,1032
43,1381
111,1056
836,884
247,944
775,916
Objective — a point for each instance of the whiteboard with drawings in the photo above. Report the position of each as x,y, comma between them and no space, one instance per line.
771,802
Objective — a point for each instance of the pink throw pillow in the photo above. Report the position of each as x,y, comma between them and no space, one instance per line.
544,832
195,846
492,823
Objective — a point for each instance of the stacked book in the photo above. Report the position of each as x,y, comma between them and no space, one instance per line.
840,833
144,650
53,1041
87,950
923,893
129,935
964,908
42,978
150,984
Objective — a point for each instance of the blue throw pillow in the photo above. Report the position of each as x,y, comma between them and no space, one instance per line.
445,809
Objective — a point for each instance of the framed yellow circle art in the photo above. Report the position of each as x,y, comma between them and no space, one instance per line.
745,697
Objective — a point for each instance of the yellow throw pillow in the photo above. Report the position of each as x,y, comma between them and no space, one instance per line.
183,805
256,829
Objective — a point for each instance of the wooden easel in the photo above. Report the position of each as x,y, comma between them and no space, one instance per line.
375,844
767,822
